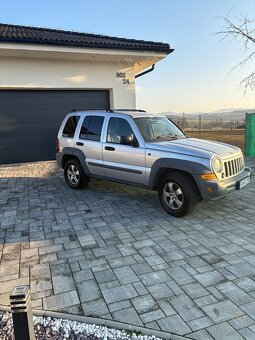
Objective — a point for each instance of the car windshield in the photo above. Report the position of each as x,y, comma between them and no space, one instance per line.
158,128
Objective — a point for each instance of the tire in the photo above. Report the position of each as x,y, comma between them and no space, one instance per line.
178,194
74,175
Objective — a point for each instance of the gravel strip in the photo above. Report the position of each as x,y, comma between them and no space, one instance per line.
60,329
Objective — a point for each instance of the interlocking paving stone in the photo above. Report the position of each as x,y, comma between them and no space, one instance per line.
154,260
128,315
95,308
61,301
160,291
166,307
140,288
48,231
222,311
119,305
122,261
88,290
173,324
210,278
224,331
154,277
247,333
247,284
186,308
242,269
205,300
62,283
141,268
105,276
234,293
82,275
249,308
180,275
194,290
144,304
200,323
152,316
243,321
126,275
119,293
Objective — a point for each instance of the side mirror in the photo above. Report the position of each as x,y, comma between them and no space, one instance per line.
129,140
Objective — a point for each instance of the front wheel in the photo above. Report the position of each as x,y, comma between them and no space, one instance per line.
178,194
74,175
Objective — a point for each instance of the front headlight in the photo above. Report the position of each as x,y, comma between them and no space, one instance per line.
217,165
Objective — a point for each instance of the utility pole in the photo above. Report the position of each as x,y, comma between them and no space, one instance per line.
183,121
200,124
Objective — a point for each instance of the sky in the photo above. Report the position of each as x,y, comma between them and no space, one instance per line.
196,77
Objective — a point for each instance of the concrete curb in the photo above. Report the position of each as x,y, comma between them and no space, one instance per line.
103,322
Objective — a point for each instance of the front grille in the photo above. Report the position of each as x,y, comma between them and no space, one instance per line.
232,167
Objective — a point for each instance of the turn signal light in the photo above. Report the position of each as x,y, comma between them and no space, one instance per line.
208,177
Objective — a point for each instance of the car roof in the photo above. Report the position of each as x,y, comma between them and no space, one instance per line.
125,112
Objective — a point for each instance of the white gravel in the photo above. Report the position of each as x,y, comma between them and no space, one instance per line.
60,329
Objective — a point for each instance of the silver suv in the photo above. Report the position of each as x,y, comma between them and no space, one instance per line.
148,150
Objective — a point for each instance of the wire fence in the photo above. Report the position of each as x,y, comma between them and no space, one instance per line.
218,129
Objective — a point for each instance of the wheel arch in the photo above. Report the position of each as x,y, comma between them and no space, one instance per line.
163,167
69,153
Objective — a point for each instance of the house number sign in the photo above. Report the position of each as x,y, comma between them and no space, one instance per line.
123,77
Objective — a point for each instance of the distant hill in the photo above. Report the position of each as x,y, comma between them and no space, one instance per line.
225,114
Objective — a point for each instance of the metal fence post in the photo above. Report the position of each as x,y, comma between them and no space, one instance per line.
22,314
200,124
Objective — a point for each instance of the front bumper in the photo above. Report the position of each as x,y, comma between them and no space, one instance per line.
221,188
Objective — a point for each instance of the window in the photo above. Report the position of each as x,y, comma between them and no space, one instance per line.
70,127
156,128
117,128
91,128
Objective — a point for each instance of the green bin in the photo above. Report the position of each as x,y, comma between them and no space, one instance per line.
249,149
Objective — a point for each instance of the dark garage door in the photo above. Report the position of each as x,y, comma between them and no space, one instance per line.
29,120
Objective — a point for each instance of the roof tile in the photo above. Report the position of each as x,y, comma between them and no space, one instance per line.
46,36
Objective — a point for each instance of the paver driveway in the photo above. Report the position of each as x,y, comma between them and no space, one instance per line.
111,251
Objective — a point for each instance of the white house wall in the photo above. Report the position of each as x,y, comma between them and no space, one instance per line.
35,73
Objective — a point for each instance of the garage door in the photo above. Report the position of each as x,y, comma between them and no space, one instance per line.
29,120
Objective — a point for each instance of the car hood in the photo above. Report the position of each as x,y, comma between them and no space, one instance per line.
195,147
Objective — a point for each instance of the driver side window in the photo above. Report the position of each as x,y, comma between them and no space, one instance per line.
118,128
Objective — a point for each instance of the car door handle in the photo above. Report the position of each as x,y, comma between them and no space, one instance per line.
109,148
79,143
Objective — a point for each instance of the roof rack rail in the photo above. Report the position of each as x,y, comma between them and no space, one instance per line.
105,110
126,110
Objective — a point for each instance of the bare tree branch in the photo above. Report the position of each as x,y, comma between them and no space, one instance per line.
243,31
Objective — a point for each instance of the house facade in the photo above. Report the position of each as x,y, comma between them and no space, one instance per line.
46,73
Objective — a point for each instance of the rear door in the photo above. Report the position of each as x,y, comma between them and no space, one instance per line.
122,162
89,142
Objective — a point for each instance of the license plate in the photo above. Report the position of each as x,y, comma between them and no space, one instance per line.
243,183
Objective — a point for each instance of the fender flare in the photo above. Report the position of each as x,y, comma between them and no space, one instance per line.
192,168
76,153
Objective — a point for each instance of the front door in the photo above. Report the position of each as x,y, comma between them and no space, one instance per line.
122,160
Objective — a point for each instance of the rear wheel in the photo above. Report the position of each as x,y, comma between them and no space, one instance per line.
178,194
74,174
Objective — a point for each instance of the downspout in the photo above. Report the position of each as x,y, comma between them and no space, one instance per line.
147,71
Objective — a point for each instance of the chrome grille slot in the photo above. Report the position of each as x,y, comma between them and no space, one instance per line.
233,167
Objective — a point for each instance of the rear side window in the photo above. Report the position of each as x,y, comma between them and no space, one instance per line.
92,128
70,127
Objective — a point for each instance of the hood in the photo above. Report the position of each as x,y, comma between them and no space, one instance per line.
195,147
